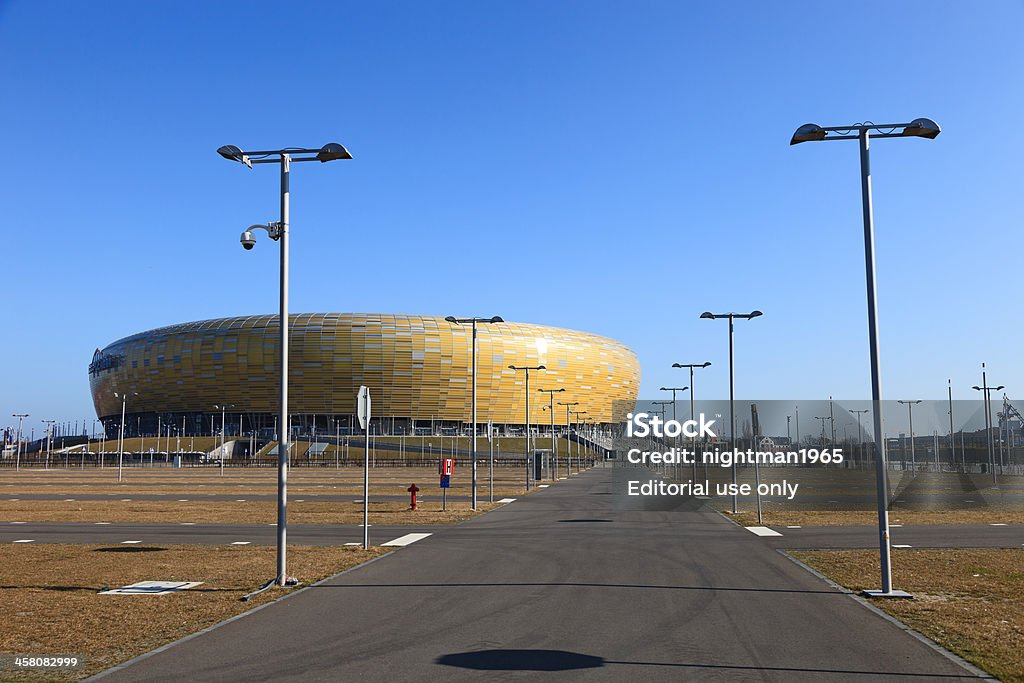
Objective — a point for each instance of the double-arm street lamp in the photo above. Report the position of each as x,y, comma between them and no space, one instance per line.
529,433
732,382
278,231
461,321
120,436
987,395
568,436
691,366
49,440
17,461
551,408
579,447
864,132
910,411
223,432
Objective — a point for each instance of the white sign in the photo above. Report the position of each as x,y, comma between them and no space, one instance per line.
363,406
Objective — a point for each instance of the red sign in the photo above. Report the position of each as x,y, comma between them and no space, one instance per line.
447,465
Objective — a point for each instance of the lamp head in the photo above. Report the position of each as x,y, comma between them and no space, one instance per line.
708,314
809,132
922,128
232,153
497,319
332,151
755,314
451,319
544,367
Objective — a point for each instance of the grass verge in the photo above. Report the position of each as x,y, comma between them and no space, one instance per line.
987,515
970,601
49,600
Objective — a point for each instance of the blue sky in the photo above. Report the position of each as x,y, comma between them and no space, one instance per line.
607,166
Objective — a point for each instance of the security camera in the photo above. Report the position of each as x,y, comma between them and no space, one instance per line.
248,240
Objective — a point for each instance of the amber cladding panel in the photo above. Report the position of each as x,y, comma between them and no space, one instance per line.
416,367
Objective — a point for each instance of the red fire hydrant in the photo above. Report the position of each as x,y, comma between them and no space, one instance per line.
412,492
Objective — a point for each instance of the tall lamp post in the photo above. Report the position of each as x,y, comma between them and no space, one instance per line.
49,440
691,366
707,315
987,391
278,231
223,432
459,321
910,411
529,433
952,441
922,128
860,437
17,461
579,447
568,436
554,444
120,435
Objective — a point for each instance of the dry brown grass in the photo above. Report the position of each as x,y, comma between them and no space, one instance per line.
49,601
969,601
233,512
1005,515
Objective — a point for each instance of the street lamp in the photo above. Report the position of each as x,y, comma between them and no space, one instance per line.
691,366
910,410
579,447
120,435
707,315
923,128
987,391
860,437
568,437
278,231
529,435
17,461
49,440
458,321
223,431
554,445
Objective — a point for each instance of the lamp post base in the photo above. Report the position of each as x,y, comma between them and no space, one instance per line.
884,594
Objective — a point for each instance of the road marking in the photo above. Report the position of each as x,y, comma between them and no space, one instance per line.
998,524
406,540
14,500
188,524
762,531
237,500
902,545
893,526
130,542
352,544
125,500
241,542
102,523
183,500
18,522
507,500
542,486
300,500
25,540
69,500
794,527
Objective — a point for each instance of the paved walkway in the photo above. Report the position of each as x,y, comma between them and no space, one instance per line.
561,585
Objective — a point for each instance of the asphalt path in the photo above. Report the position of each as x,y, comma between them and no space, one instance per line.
564,585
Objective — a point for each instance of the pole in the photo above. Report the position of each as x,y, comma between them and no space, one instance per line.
952,440
223,423
797,425
988,423
881,485
473,438
490,470
732,411
17,462
366,484
692,408
529,450
282,444
913,456
120,437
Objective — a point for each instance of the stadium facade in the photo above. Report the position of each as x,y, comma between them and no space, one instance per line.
418,369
